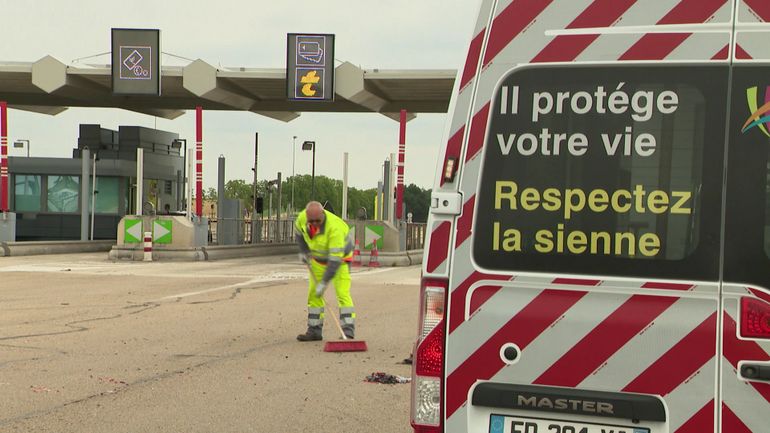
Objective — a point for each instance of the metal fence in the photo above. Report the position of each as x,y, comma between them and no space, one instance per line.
415,236
270,230
241,230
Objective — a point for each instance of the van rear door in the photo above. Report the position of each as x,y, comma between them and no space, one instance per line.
583,269
745,366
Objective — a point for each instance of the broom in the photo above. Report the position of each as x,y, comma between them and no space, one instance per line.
346,345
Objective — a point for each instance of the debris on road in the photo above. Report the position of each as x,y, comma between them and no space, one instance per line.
39,389
107,379
380,377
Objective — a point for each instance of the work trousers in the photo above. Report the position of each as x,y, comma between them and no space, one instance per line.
315,304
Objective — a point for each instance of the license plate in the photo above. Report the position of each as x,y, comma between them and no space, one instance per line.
520,424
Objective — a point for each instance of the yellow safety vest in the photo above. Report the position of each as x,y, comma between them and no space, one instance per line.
331,242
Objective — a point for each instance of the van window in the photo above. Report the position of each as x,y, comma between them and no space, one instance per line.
747,240
607,170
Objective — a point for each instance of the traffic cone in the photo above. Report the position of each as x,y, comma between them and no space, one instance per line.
356,256
374,256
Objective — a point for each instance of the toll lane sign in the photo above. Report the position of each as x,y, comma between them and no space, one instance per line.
310,67
161,231
133,231
136,62
373,235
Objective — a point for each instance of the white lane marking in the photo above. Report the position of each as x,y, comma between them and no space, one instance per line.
376,271
227,287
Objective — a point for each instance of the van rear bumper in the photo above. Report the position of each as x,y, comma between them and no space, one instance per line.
634,407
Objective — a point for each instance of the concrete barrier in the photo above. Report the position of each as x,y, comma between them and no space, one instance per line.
401,258
8,249
163,253
214,252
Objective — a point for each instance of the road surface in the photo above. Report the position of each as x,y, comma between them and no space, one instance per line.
89,345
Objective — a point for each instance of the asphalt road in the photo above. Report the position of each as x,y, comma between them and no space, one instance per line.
88,345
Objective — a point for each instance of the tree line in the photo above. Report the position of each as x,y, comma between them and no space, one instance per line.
327,190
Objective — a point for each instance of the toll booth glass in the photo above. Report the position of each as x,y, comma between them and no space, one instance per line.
63,193
107,195
27,190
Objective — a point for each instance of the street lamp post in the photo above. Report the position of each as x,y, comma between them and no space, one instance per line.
293,153
310,145
176,144
22,143
94,191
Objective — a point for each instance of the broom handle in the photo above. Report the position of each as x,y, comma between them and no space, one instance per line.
334,316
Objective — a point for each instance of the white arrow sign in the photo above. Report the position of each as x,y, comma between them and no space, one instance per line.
370,236
136,231
159,231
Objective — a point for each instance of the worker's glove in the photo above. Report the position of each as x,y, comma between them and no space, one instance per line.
320,288
303,258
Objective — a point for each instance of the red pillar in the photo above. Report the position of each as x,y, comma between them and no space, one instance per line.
199,161
3,156
400,176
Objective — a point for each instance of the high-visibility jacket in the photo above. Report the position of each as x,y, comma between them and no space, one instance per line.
329,246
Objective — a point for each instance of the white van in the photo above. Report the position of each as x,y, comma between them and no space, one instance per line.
598,257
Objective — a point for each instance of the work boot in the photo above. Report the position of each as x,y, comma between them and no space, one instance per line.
349,331
313,333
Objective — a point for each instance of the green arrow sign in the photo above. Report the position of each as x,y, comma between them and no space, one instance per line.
373,234
133,231
161,231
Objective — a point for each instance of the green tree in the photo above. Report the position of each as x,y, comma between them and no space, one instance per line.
417,201
210,194
326,189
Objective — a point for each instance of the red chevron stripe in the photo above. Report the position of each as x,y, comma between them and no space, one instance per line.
731,423
465,221
760,294
604,340
742,54
453,149
601,13
736,350
510,23
522,329
667,286
472,60
480,296
478,131
701,422
576,282
680,362
761,8
457,310
439,246
722,54
656,46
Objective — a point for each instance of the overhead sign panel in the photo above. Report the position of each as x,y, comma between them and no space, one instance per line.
310,66
136,61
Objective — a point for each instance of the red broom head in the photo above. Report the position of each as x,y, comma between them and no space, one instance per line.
345,346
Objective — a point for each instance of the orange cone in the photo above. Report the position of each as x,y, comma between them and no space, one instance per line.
356,256
374,256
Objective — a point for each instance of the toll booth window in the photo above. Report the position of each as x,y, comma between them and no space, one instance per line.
26,193
63,193
107,196
599,170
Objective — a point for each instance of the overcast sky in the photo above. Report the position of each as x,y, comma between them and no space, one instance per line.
385,34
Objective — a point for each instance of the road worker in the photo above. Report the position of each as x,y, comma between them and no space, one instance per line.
324,244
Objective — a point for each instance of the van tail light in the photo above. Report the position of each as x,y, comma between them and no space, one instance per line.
428,363
755,318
